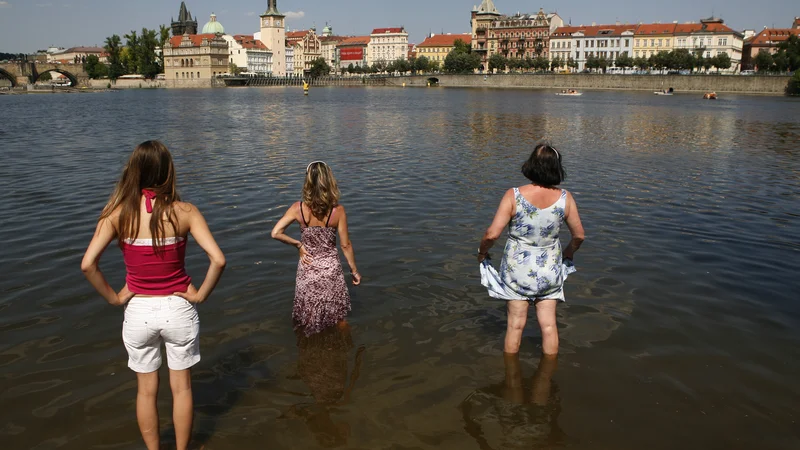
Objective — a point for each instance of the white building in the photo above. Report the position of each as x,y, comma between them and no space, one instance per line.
712,37
249,54
387,44
600,41
289,61
273,36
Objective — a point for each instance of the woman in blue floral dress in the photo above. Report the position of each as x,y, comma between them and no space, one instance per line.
533,268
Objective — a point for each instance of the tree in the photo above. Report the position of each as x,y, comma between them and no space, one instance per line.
624,61
497,62
45,77
94,68
319,67
571,63
592,62
461,59
641,63
422,64
763,61
788,55
461,46
233,69
556,63
163,38
793,87
114,49
722,61
130,58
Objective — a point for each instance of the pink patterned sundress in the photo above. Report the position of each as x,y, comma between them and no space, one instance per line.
321,299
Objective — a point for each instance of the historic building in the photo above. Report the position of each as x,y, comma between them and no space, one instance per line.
651,38
515,36
185,24
387,45
436,47
193,60
249,54
767,40
213,27
329,42
711,37
289,61
353,51
600,41
77,55
307,47
273,35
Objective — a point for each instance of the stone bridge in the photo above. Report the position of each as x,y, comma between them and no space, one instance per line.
24,73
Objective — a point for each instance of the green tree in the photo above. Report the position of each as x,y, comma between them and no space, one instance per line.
763,61
114,49
602,63
556,63
793,87
641,63
163,38
422,64
722,61
497,62
592,62
319,68
94,68
788,54
233,69
45,77
624,61
461,59
148,62
351,68
461,46
130,59
571,63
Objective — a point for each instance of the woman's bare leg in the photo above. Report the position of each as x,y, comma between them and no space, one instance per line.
512,389
147,409
546,314
180,381
517,316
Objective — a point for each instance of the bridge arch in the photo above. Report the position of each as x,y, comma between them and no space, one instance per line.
72,78
9,77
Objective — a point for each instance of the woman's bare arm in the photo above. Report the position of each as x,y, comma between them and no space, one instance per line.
199,230
103,235
575,227
504,213
347,246
279,233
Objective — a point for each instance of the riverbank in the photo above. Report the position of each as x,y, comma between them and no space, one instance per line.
740,84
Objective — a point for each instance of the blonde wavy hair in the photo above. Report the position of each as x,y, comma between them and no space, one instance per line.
320,191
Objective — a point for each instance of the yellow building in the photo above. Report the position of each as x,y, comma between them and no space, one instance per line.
437,47
651,38
193,60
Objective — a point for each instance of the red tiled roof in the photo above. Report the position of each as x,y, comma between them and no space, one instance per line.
196,39
247,41
331,38
595,30
296,34
685,28
772,36
565,31
445,40
355,40
388,30
655,28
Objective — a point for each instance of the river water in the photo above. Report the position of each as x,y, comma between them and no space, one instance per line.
681,327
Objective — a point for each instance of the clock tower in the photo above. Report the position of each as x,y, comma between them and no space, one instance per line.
273,35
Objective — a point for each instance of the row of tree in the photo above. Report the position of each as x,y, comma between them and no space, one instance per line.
499,63
138,55
787,58
679,59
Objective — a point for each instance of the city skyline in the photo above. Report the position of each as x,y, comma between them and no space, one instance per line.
64,22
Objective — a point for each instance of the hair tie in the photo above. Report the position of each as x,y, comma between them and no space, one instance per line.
554,149
314,162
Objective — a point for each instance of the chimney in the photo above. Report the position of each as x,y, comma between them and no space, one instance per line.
594,23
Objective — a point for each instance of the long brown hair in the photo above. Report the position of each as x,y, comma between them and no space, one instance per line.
320,191
149,167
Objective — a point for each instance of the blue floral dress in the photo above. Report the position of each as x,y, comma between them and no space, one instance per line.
532,267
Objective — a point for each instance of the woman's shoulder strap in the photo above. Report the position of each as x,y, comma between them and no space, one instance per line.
302,216
330,216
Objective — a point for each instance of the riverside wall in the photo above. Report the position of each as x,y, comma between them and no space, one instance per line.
741,84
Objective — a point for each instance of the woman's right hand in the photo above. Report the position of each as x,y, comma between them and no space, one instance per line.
356,278
124,296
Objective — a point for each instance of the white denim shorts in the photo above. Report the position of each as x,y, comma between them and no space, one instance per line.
149,321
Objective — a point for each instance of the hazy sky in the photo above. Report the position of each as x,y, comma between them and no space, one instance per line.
28,25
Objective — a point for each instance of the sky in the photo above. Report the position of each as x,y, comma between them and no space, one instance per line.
30,25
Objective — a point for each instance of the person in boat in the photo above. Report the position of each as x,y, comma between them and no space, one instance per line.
146,216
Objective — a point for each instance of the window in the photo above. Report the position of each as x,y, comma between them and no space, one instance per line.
637,42
645,43
660,41
627,42
722,42
652,42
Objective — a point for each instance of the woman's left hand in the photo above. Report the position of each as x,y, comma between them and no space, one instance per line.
124,296
191,295
482,256
305,257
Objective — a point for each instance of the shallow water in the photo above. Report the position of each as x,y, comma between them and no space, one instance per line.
681,327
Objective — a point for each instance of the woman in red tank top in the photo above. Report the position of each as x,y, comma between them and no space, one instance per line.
150,222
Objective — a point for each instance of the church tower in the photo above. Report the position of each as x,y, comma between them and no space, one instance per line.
273,35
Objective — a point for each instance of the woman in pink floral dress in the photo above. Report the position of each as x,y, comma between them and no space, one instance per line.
321,299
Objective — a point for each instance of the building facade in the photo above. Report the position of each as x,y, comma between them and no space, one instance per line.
307,47
185,23
515,36
249,54
767,40
329,44
711,37
273,36
77,55
194,60
436,47
289,52
387,45
600,41
353,50
651,38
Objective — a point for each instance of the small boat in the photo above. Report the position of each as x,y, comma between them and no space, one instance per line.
669,91
570,92
710,96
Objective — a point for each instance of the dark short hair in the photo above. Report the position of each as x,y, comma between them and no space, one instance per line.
544,166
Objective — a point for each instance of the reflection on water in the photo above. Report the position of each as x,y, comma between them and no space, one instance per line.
323,366
683,314
519,412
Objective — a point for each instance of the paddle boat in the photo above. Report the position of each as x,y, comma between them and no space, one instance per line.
710,96
669,91
570,92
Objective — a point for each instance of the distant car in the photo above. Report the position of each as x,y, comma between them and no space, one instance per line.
747,72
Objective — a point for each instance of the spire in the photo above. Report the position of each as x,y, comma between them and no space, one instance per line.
184,13
487,7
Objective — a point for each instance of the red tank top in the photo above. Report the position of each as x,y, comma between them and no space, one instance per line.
150,273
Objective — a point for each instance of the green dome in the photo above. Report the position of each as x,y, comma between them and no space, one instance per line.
213,27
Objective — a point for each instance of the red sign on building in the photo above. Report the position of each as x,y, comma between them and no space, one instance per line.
351,54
